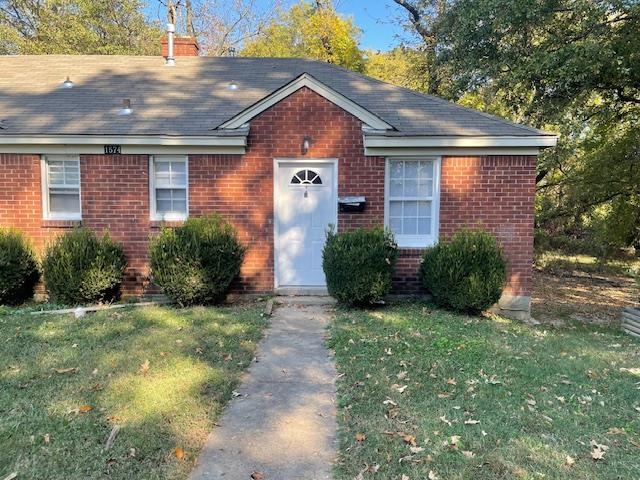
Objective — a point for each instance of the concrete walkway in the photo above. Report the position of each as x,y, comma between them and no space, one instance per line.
283,424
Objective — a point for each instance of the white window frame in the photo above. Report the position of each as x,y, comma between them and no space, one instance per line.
416,241
169,216
46,185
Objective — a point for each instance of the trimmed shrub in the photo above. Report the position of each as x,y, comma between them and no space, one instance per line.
81,268
359,265
467,273
195,263
18,268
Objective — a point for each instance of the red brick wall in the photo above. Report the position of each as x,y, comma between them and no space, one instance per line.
496,192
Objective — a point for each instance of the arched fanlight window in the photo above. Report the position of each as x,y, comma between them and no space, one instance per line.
306,177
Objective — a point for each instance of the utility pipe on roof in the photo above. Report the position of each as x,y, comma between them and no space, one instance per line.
171,61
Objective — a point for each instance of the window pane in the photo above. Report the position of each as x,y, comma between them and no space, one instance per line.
395,224
426,170
178,174
410,209
424,226
411,170
411,188
171,200
395,209
410,226
396,168
425,188
395,188
424,209
64,201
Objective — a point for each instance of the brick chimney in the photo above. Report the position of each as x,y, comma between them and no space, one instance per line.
182,47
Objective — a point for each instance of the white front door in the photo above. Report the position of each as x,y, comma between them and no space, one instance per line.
305,205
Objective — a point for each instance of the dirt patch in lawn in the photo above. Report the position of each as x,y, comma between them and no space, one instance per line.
564,296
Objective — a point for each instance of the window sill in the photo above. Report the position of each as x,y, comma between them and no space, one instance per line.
55,223
157,224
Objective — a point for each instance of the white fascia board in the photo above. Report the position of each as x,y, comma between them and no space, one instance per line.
448,151
131,144
164,140
537,141
306,80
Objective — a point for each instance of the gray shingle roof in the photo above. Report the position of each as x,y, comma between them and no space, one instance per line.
192,98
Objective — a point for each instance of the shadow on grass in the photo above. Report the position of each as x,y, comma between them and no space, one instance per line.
161,374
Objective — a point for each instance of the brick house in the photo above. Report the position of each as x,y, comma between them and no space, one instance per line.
274,145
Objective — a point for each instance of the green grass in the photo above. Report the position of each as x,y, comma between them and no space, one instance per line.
195,358
540,395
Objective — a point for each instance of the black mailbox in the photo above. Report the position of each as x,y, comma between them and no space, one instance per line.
351,204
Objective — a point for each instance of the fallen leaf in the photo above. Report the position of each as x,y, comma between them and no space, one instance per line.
11,476
235,393
432,475
66,370
410,439
405,477
531,402
144,367
569,461
444,419
471,422
227,357
46,439
84,408
388,401
454,440
132,452
399,388
416,449
452,381
616,431
178,452
401,375
597,454
360,437
444,395
257,476
468,454
199,350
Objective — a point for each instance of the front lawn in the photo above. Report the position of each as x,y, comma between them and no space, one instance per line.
426,394
160,374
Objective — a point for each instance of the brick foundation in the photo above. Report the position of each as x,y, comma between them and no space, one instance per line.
495,192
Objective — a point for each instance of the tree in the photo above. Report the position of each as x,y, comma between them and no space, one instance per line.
402,66
76,27
310,31
570,66
424,18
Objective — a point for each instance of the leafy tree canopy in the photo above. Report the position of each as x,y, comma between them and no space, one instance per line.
76,27
310,31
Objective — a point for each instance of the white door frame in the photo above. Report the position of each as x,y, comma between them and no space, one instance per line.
276,172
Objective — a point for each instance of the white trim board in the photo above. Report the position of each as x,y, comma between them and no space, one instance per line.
306,80
477,142
126,149
439,151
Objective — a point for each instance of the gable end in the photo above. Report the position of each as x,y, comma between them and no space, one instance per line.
306,80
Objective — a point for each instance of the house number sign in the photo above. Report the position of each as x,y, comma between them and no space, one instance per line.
112,150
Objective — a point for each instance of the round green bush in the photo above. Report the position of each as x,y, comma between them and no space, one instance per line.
18,268
359,265
195,263
465,274
81,268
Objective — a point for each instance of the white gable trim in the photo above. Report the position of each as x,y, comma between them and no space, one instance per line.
306,80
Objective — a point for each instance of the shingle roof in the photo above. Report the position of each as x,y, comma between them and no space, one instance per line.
193,97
